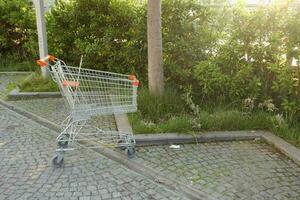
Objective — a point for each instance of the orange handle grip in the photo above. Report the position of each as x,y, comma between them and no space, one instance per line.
43,62
134,80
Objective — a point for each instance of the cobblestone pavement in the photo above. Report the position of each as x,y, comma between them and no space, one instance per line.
224,170
54,110
26,171
228,170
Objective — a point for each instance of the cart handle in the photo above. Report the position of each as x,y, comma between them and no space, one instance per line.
135,81
43,61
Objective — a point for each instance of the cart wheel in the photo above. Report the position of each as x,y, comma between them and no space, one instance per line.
58,160
130,152
62,141
121,147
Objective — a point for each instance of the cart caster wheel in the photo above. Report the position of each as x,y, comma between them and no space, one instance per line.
58,160
64,143
130,152
121,147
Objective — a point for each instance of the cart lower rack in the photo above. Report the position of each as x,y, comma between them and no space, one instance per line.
90,93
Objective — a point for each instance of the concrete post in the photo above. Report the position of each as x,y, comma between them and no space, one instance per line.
42,36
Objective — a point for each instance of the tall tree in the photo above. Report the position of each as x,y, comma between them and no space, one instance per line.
154,36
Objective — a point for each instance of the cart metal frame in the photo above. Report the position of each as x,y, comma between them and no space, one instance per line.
89,93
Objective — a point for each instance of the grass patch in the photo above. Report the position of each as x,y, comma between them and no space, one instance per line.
175,124
12,64
170,114
234,120
36,83
155,109
9,83
160,114
10,86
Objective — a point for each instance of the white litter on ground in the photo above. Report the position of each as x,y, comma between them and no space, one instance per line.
173,146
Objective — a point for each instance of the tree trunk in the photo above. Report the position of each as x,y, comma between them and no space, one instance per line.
155,63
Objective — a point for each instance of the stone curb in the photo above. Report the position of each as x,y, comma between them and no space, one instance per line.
17,95
122,122
284,147
31,116
16,72
152,174
174,138
170,138
148,172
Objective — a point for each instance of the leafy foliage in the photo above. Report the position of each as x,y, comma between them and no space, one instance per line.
108,33
219,55
17,27
187,38
253,60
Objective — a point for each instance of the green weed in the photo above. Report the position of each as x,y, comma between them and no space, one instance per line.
36,83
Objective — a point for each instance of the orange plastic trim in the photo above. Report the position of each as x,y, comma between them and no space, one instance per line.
42,63
131,77
71,83
51,58
135,83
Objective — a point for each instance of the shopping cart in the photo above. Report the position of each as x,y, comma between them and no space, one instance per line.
89,93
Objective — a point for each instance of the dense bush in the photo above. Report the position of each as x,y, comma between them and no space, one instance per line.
188,37
110,33
222,55
254,61
17,27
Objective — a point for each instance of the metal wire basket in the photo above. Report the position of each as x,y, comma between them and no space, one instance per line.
89,93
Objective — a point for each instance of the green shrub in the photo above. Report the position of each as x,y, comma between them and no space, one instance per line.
17,63
17,27
223,55
36,83
111,34
249,61
188,37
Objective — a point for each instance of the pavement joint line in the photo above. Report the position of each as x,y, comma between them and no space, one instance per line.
145,171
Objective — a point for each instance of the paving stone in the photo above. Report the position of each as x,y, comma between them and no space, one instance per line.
225,170
228,170
26,171
55,110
